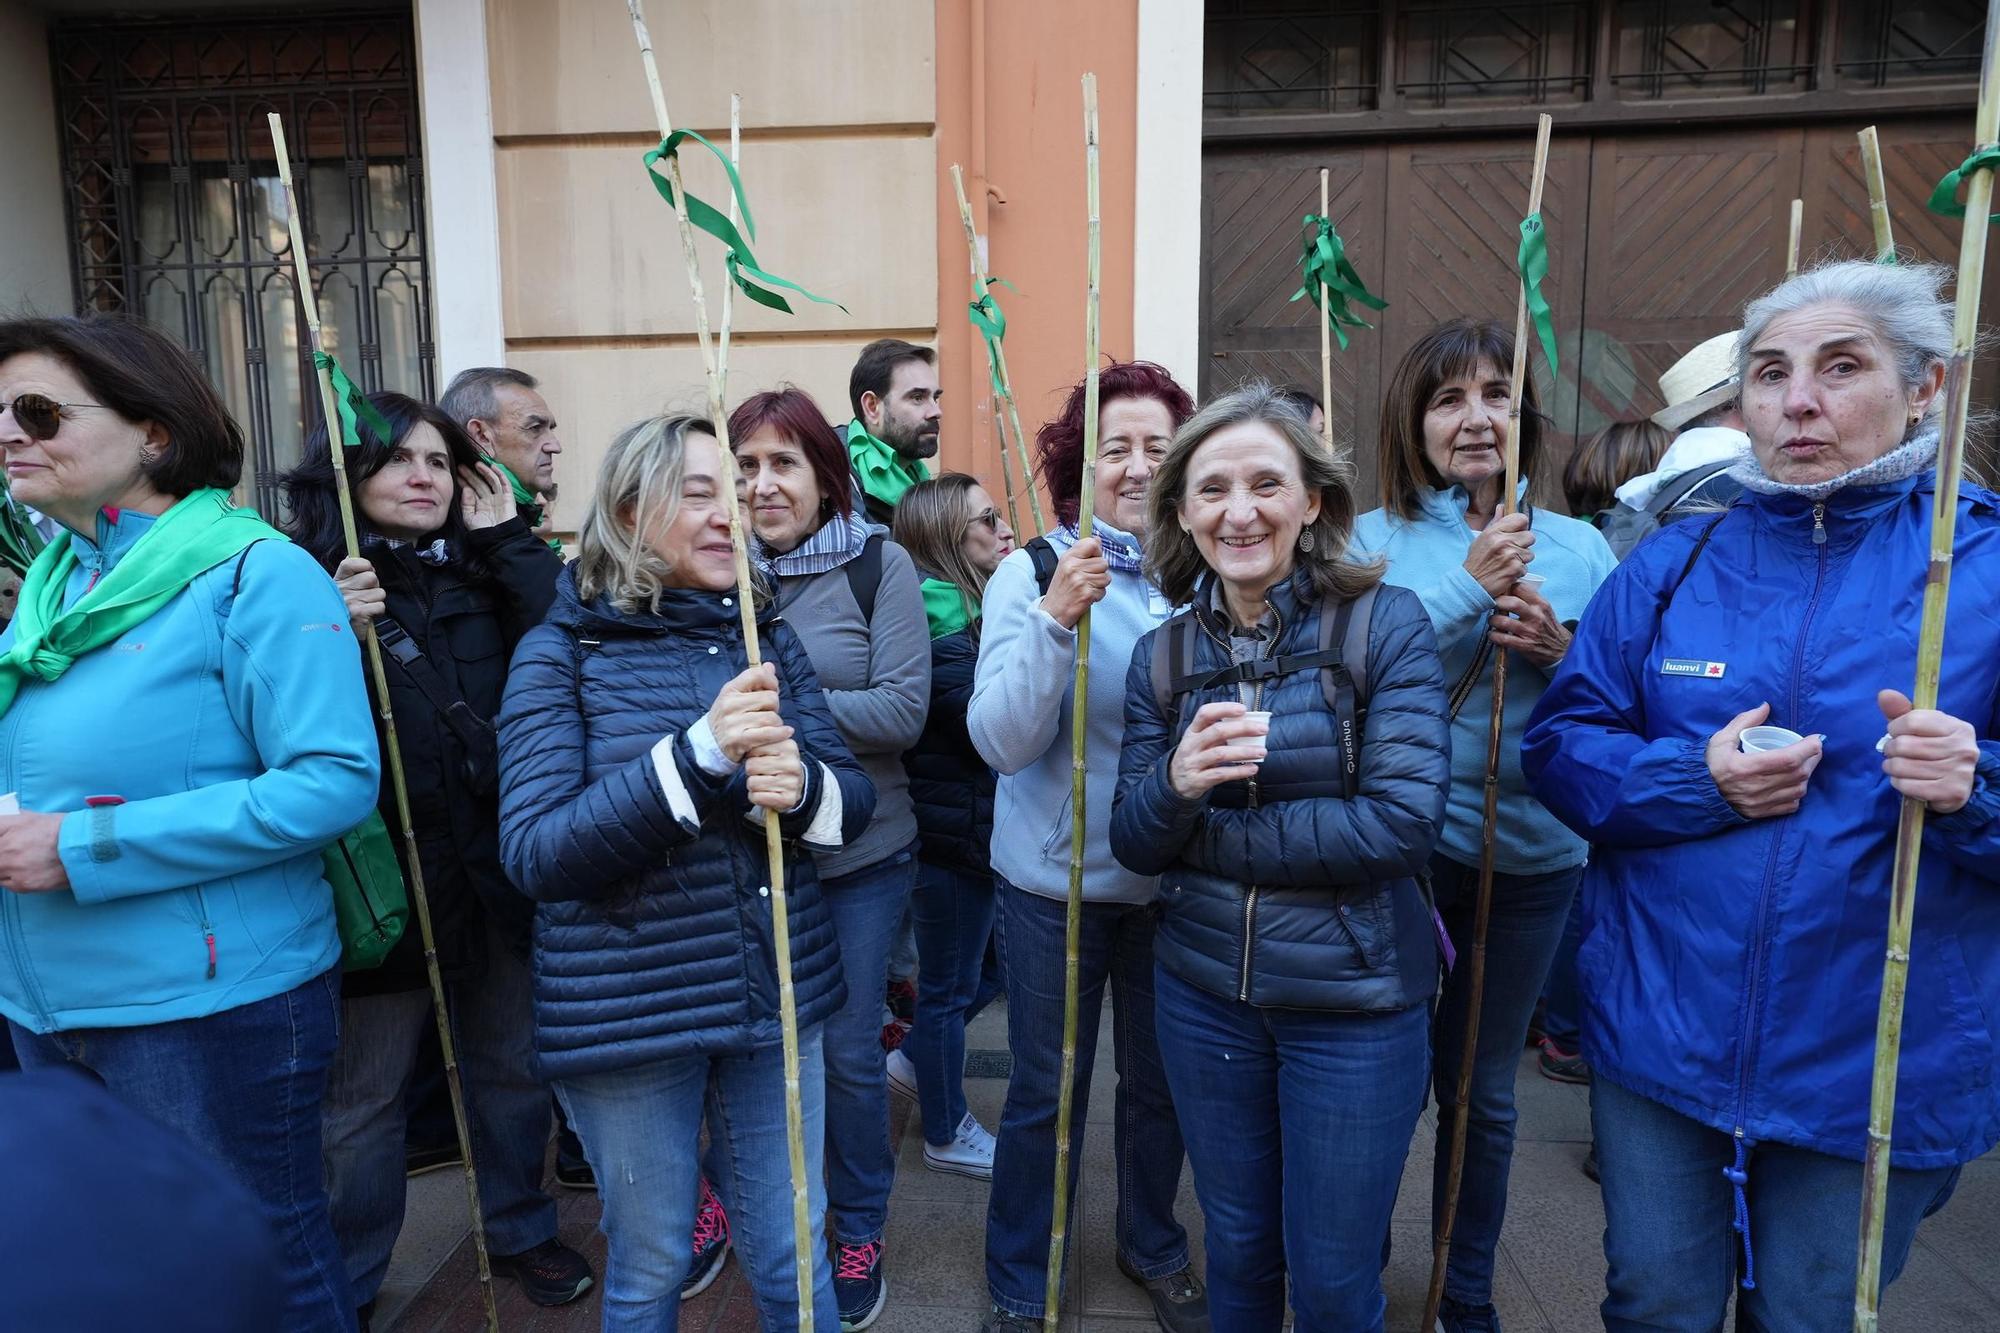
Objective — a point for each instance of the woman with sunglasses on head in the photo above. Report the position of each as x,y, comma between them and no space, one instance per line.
184,727
852,596
952,530
451,576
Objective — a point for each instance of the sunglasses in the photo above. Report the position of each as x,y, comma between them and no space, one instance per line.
989,516
40,416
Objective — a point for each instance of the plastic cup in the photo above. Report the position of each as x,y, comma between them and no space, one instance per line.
1262,740
10,804
1532,582
1756,740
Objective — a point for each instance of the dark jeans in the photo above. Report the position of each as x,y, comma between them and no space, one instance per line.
867,909
1668,1214
1116,951
244,1086
1521,937
953,913
1297,1124
1562,1001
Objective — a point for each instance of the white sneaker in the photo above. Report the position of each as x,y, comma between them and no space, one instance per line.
902,1073
970,1152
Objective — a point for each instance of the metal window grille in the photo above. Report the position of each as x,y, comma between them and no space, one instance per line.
1291,55
1460,54
1884,42
1674,48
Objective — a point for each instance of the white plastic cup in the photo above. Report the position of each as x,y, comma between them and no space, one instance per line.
10,804
1756,740
1532,582
1262,740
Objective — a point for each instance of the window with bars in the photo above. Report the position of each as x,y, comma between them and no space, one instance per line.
177,215
1709,48
1460,54
1290,55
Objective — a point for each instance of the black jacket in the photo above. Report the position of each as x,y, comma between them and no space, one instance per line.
950,785
465,624
1279,891
653,931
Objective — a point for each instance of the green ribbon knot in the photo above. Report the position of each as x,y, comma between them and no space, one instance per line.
1533,262
753,281
1944,199
991,322
353,406
1323,264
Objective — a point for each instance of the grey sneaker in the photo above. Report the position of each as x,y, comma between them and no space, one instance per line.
999,1321
1180,1302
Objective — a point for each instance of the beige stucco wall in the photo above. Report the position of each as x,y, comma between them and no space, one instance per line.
34,247
839,160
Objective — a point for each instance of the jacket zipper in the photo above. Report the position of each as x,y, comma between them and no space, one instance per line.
10,906
1250,898
207,930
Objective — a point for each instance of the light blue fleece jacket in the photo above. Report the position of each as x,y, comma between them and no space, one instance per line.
1427,556
1020,724
235,728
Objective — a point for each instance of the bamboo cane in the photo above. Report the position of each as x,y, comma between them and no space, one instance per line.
1325,336
1930,652
1878,195
1475,961
994,366
1078,726
1792,237
336,446
999,355
729,289
788,1016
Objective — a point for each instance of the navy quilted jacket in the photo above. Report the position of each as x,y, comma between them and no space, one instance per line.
1279,891
653,934
950,784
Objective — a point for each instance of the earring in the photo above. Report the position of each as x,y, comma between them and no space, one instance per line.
1306,540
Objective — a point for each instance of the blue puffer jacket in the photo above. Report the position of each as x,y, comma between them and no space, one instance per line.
1279,891
653,935
1731,968
950,785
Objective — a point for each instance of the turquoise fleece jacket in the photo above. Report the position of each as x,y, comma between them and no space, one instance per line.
1427,556
234,727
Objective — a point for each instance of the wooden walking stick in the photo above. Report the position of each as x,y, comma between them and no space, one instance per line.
391,747
1878,195
1930,652
1325,336
788,1014
729,289
1792,238
1475,960
1078,727
996,361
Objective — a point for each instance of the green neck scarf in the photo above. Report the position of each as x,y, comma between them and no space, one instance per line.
946,607
525,501
885,474
201,531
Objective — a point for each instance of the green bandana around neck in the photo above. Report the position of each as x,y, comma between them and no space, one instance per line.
525,501
200,531
885,474
946,607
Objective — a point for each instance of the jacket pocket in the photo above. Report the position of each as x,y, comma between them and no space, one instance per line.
1364,917
1055,847
1973,1054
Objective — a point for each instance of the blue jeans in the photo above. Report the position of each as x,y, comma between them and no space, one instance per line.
1521,938
243,1085
1297,1123
506,1105
953,913
867,909
1562,1001
1116,949
641,1130
1668,1214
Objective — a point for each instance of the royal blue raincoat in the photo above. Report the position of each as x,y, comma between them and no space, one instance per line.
1731,968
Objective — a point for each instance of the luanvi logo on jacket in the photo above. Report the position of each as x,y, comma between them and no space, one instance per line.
1688,666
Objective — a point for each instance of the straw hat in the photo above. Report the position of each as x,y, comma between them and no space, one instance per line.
1704,378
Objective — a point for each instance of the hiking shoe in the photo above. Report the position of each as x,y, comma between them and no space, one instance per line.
858,1286
970,1152
1560,1065
999,1321
902,1073
711,1245
1180,1303
1455,1317
550,1274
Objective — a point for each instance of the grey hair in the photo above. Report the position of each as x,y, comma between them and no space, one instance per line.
638,486
1905,303
1171,555
470,395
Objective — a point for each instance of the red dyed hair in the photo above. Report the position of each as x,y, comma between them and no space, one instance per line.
798,418
1060,440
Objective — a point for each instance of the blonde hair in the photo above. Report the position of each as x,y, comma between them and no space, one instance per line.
930,524
638,486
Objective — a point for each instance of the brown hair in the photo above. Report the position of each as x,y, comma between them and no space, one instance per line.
1174,560
1621,451
876,367
930,523
1450,351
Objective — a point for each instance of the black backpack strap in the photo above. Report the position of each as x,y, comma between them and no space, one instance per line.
1173,658
1044,555
864,575
1686,484
1700,544
474,732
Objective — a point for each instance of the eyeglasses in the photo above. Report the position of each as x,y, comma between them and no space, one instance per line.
989,516
41,416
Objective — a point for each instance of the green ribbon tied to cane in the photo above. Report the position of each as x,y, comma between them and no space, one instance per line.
1323,264
353,406
1533,261
1944,199
991,322
753,281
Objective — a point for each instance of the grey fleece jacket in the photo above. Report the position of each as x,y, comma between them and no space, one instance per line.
1019,721
877,679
